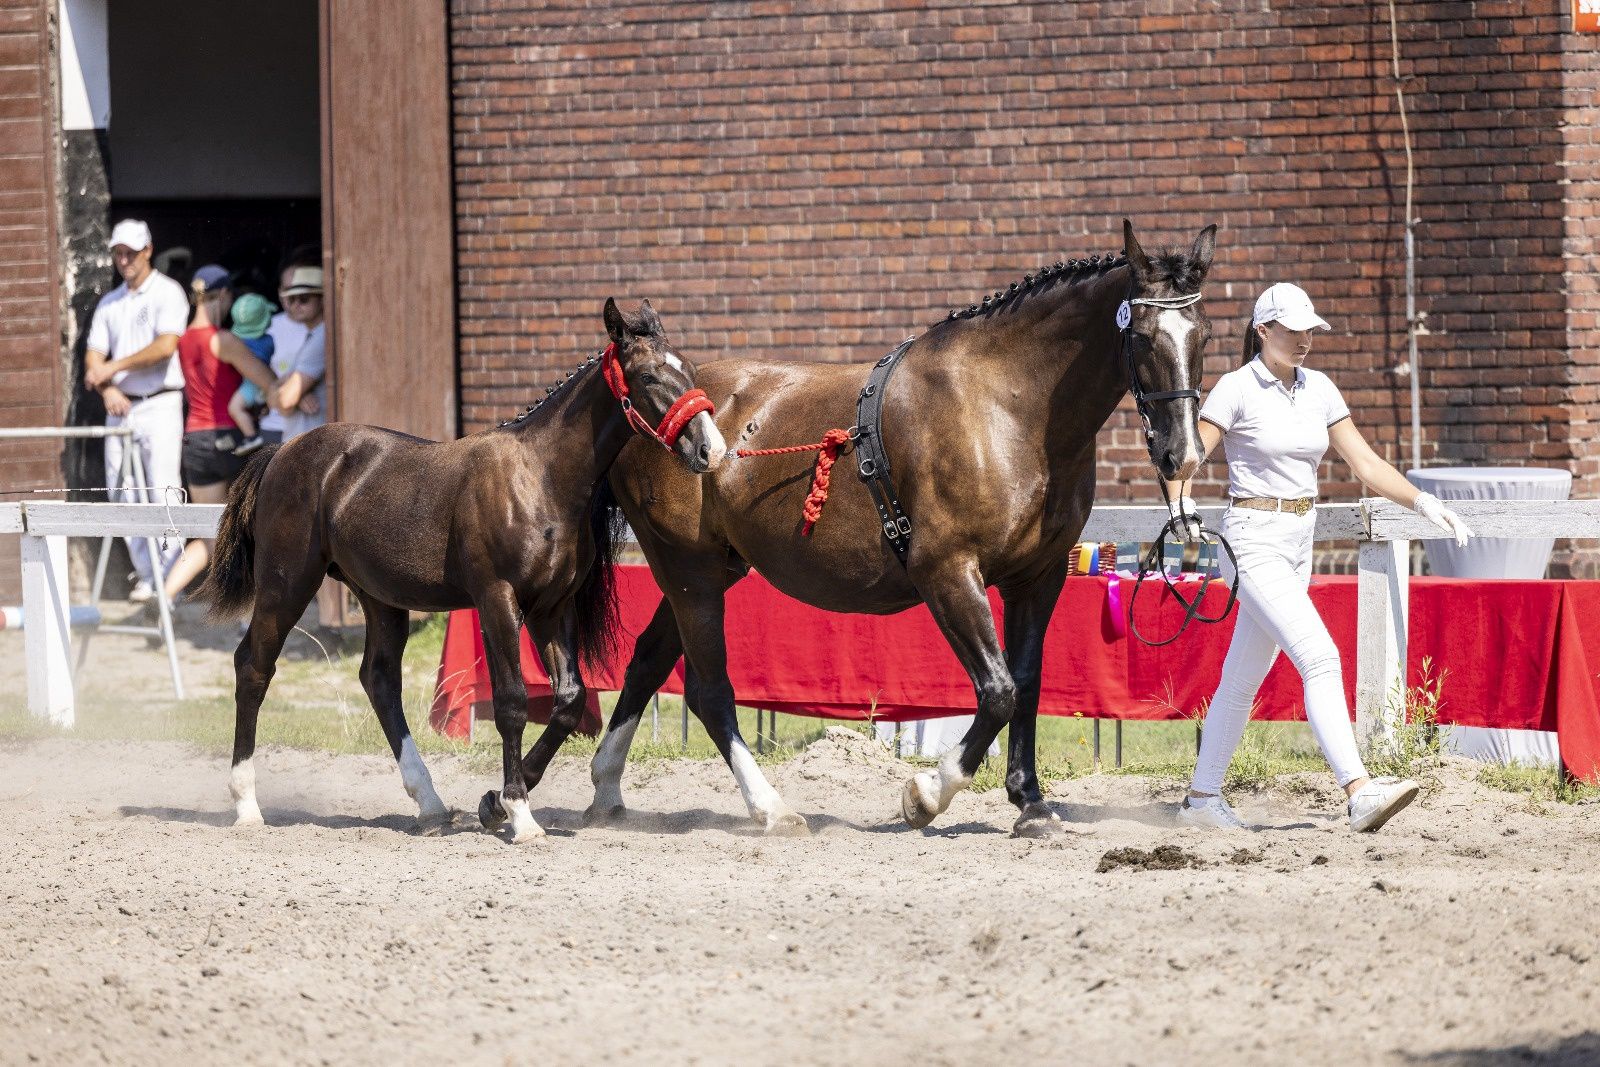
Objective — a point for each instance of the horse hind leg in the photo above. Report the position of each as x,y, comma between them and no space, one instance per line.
387,630
278,606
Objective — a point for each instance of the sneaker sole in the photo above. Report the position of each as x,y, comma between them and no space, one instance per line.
1384,814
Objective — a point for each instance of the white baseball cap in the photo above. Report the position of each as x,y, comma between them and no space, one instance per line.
1287,303
132,233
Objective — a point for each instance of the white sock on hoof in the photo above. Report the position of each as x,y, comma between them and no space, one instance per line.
606,770
950,779
523,826
418,782
766,806
242,783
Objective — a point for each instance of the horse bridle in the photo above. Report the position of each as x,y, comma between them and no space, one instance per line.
1154,561
683,410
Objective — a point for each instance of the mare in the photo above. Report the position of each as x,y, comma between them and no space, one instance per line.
990,427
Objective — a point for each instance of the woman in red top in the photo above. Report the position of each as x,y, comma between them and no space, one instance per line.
214,362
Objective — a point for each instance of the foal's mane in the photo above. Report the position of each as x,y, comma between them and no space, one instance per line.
1174,268
553,391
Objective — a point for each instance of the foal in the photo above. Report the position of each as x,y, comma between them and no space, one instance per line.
514,521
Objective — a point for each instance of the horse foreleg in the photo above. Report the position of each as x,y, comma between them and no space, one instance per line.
501,618
657,649
955,596
387,630
558,651
1027,616
700,622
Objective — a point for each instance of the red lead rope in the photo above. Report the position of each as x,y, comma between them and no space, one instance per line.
683,409
827,451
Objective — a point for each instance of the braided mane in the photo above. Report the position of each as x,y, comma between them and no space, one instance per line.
553,391
1174,268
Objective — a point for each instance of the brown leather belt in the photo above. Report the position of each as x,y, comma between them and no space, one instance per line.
1272,503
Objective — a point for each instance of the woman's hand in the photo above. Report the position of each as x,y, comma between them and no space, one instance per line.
1430,508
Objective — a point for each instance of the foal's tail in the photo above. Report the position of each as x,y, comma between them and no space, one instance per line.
230,585
597,624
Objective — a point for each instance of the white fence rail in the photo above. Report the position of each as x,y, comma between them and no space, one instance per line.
1384,530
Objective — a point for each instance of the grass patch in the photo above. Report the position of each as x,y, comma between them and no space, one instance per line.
1541,785
1412,745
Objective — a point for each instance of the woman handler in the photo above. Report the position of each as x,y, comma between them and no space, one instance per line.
1276,418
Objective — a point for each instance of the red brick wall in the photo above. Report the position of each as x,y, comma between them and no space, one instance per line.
30,341
814,186
1581,249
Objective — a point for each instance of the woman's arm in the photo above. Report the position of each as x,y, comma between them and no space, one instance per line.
1371,469
232,351
1178,492
1379,475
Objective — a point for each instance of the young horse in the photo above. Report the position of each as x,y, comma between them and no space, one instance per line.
514,521
990,425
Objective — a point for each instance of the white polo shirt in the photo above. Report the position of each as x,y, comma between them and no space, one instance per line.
1274,437
288,337
127,320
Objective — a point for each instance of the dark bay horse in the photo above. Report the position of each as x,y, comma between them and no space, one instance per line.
515,521
990,427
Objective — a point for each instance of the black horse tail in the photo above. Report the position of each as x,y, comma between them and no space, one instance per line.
230,584
597,619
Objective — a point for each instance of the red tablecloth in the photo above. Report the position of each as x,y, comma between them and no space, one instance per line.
1515,654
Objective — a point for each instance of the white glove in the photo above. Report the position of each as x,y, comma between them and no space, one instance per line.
1429,507
1183,508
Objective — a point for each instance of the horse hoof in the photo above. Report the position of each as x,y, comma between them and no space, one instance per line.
531,832
789,824
917,803
249,818
1038,821
490,813
595,815
434,823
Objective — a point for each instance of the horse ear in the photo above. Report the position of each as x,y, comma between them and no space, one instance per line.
1130,248
649,319
616,325
1205,246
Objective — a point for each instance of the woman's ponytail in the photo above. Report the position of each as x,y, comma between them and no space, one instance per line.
1252,341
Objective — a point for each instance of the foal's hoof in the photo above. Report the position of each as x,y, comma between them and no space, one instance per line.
490,813
918,803
1038,821
788,824
595,815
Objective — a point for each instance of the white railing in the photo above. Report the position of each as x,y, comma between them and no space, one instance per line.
1385,532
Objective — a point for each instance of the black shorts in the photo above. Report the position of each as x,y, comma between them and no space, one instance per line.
204,464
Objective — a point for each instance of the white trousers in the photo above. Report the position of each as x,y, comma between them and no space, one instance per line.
158,435
1275,611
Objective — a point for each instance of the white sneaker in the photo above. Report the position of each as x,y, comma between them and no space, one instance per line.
1379,801
141,593
1210,812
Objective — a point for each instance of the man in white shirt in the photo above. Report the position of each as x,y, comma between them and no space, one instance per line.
301,362
132,361
288,337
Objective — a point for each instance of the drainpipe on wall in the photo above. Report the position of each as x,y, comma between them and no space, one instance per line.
1413,319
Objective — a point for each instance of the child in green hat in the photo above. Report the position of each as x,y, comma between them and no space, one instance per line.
252,314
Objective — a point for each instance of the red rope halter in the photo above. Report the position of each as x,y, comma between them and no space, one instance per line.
827,451
678,416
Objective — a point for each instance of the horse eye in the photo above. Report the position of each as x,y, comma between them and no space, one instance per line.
650,379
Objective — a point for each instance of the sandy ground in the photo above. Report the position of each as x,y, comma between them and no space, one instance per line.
138,926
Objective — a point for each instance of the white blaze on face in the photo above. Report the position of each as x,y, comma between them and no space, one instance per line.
1176,325
674,362
707,431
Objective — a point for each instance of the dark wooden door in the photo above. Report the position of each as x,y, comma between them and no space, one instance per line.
387,217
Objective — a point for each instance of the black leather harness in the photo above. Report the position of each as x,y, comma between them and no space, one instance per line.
872,460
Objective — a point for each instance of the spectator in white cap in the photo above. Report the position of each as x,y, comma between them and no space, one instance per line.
132,361
1276,418
302,367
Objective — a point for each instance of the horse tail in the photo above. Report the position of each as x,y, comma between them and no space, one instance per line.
597,619
230,584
